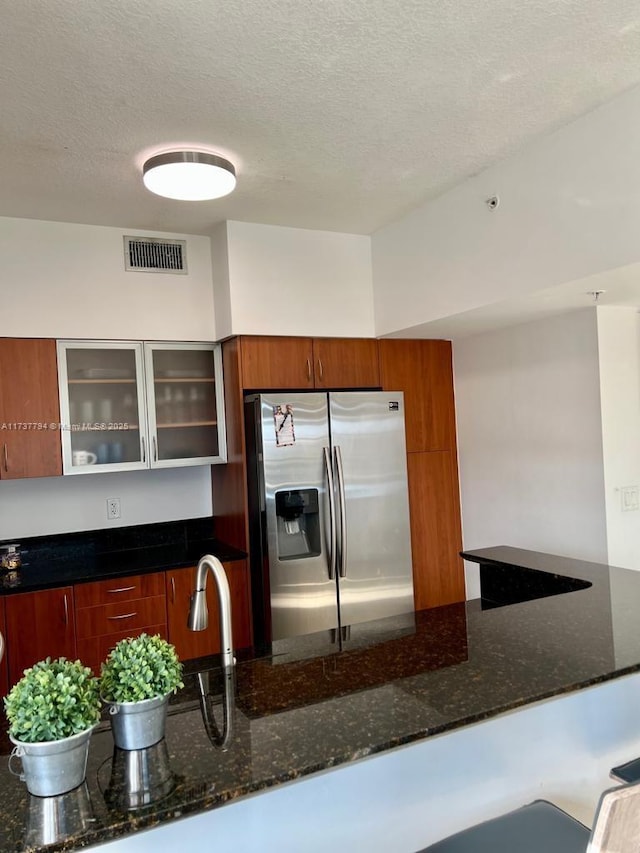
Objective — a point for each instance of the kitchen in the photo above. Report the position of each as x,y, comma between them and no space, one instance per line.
379,283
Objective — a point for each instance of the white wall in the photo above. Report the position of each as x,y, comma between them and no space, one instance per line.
530,438
62,280
221,284
569,207
619,346
36,507
291,281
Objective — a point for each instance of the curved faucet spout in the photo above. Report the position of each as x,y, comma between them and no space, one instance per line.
198,613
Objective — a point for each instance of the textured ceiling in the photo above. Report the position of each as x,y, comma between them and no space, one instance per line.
339,114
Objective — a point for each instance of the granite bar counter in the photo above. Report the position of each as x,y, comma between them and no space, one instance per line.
304,708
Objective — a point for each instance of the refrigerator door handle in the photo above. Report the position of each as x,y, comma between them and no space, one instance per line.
343,512
332,514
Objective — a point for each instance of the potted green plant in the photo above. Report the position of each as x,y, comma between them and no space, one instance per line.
137,679
52,712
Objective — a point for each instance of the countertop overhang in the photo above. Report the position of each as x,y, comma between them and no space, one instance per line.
395,682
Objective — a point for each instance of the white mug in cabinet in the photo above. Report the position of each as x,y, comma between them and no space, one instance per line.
84,457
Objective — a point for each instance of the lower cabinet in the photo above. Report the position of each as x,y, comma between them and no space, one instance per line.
193,644
108,611
87,620
39,625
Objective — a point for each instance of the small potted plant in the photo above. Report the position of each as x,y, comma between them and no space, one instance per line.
52,712
137,679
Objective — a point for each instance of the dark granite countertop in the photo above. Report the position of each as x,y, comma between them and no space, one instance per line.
69,558
305,708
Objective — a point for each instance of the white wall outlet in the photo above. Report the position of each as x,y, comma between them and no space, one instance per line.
113,508
630,498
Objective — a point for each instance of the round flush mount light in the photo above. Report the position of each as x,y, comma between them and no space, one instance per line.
189,175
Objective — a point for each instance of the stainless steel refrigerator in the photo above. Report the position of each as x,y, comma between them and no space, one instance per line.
329,510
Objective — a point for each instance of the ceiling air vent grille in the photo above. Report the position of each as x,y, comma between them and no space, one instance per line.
152,254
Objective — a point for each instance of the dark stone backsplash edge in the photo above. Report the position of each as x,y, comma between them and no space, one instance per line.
50,561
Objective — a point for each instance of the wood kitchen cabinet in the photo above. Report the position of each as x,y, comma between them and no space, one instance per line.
137,405
423,371
29,409
271,362
108,611
39,625
193,644
436,534
307,363
346,363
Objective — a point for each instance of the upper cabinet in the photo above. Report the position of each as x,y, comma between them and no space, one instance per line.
423,370
346,363
29,409
185,404
133,405
269,362
301,363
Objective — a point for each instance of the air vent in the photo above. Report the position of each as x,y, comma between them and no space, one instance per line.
152,254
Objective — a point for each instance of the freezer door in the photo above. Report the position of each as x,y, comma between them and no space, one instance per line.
303,592
374,539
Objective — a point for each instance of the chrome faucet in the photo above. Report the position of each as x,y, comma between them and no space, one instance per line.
198,613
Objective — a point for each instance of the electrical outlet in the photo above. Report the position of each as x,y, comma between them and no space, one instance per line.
113,508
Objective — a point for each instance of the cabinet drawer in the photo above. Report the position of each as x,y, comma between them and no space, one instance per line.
93,651
119,589
120,616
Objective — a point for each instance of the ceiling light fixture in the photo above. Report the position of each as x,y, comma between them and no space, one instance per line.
189,175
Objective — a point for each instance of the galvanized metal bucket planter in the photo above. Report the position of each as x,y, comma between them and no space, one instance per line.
137,725
52,767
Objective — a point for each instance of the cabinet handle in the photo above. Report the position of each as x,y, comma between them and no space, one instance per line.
173,590
144,449
66,610
6,457
155,449
320,369
121,589
308,372
124,615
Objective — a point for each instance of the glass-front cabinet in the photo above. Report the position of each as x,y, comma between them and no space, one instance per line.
128,405
184,394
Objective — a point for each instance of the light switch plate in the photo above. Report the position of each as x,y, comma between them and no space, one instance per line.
630,496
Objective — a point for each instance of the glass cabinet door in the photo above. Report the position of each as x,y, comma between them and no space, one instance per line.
185,403
102,406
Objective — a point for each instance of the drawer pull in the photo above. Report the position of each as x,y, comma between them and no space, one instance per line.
124,615
121,589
